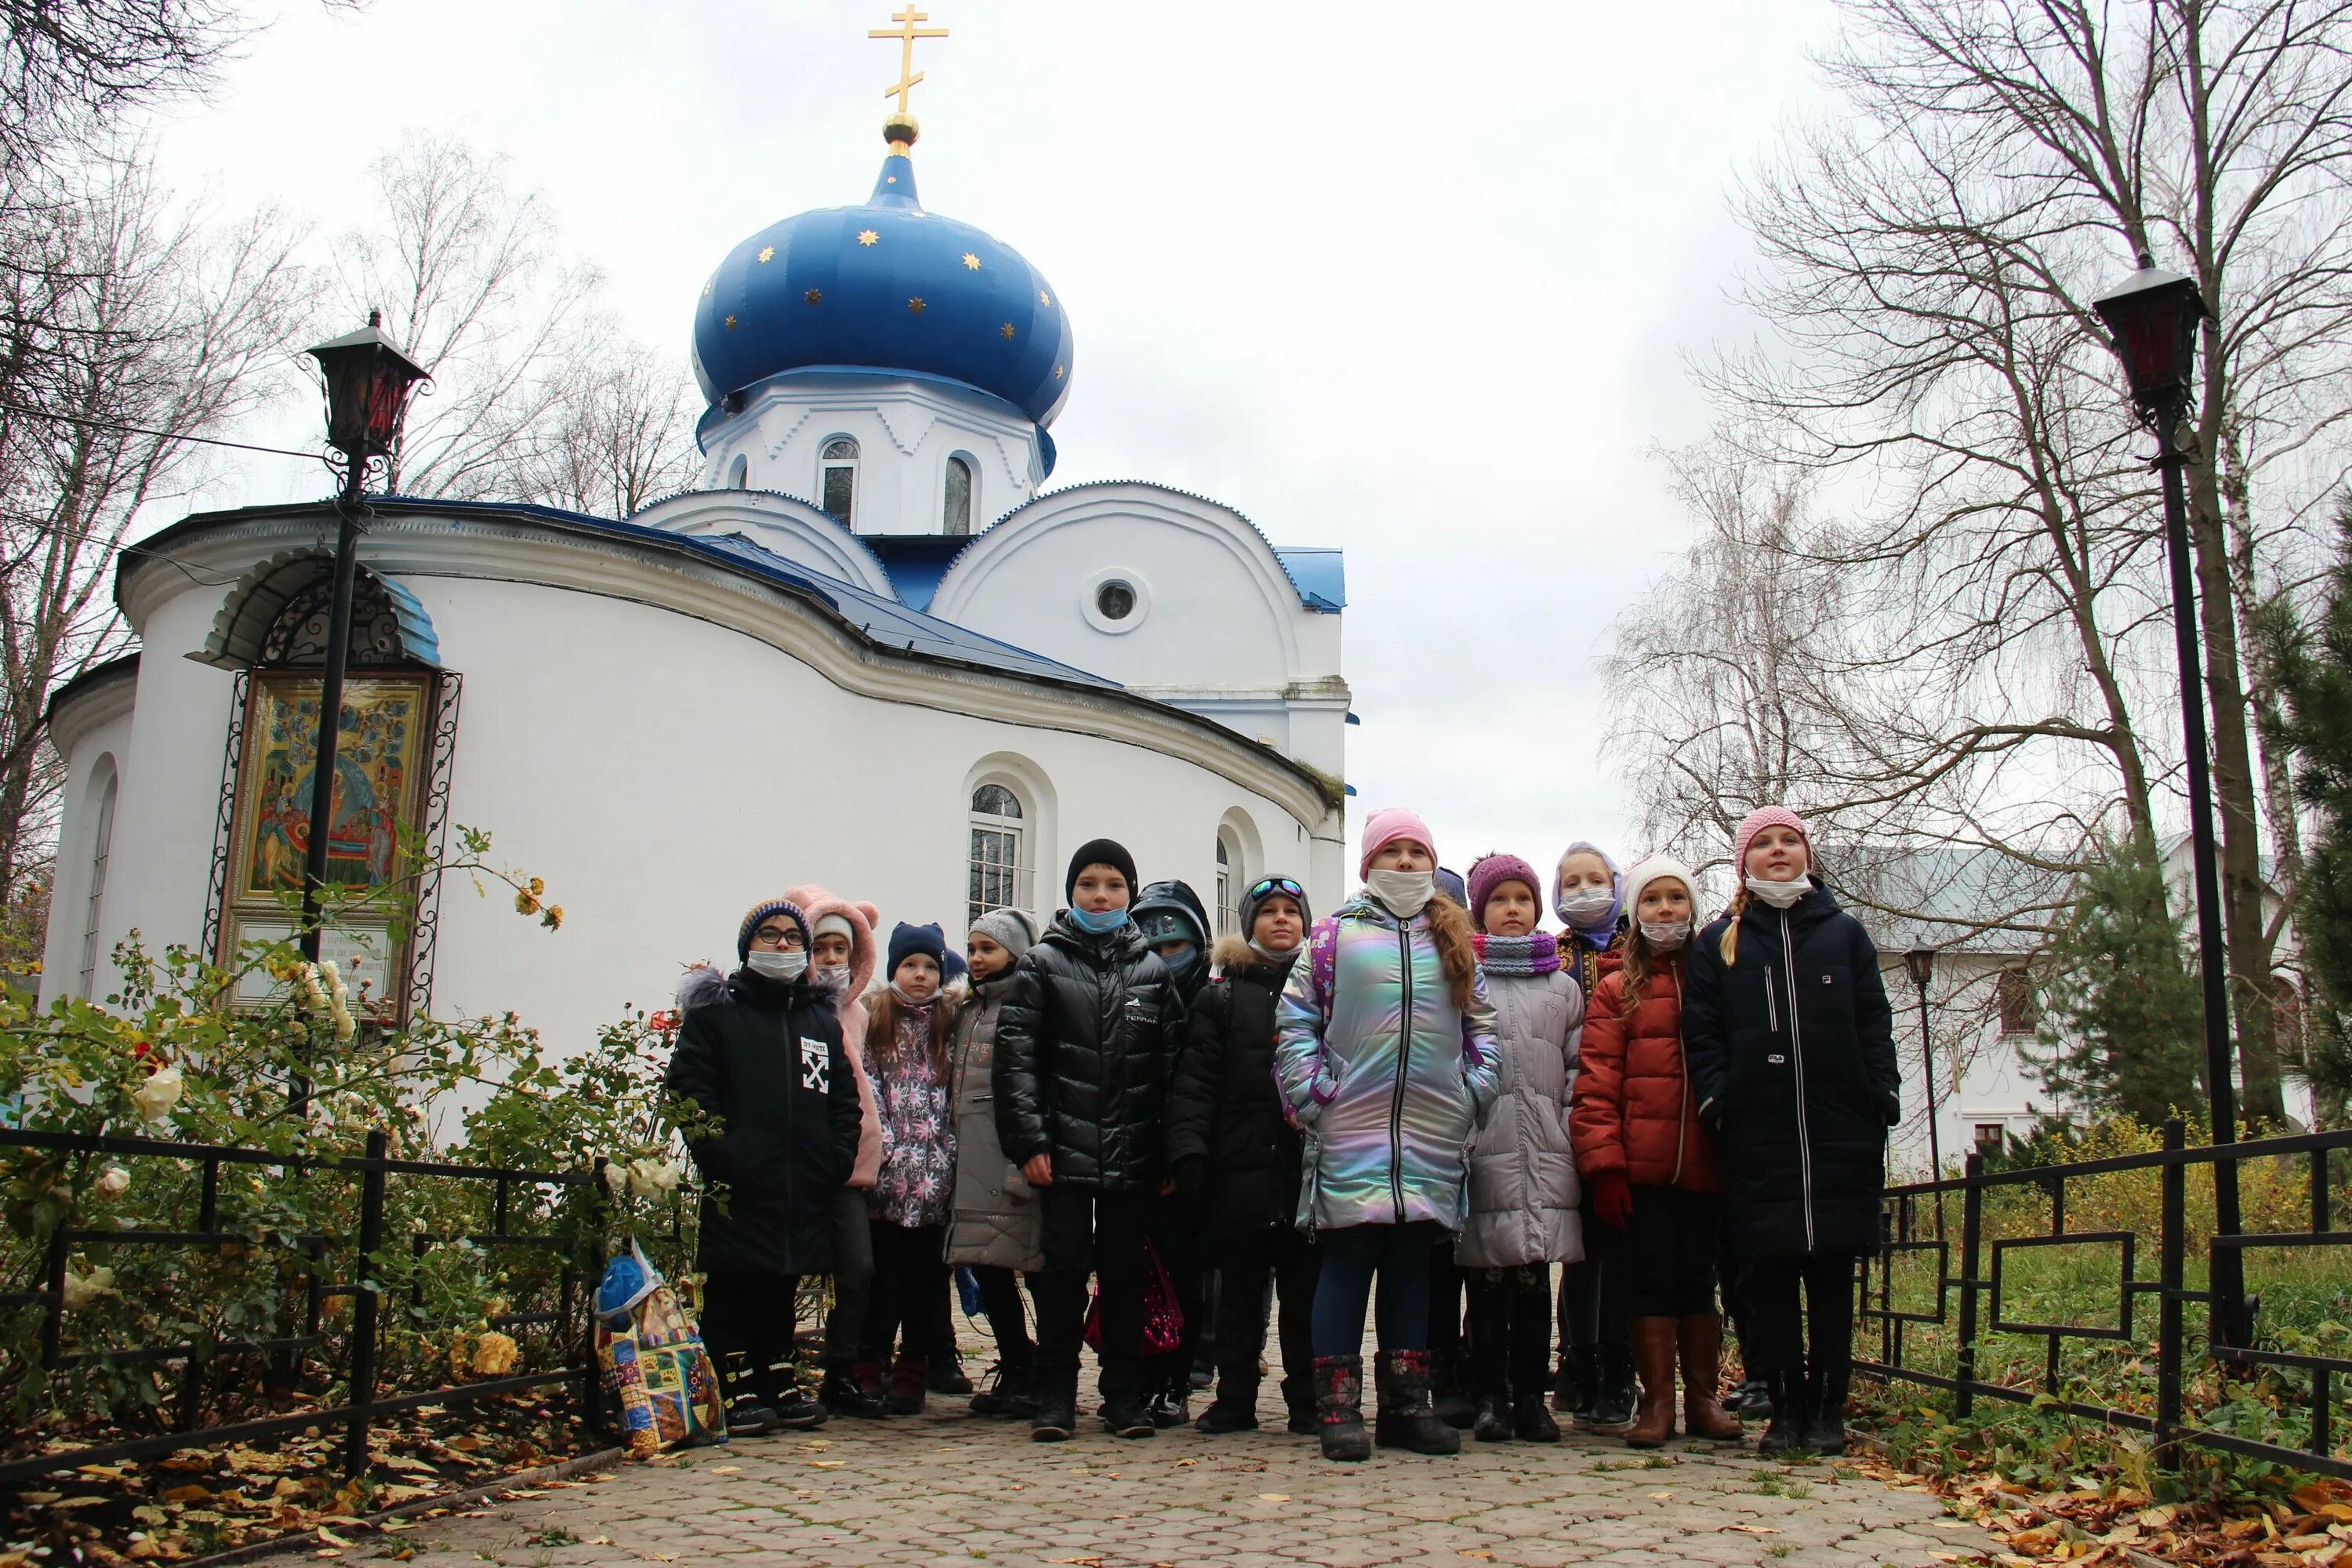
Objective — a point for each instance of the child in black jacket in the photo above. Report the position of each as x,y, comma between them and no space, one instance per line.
1236,1157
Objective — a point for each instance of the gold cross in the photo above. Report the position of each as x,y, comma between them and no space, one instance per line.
907,33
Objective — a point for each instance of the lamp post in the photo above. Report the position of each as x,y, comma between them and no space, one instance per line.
368,383
1921,962
2154,316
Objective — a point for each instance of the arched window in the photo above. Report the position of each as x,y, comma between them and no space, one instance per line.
956,518
101,847
837,479
738,473
999,864
1229,873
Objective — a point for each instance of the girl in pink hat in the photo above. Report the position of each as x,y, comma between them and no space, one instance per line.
1386,1056
1789,1045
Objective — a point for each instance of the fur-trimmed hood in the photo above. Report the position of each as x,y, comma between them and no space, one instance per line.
816,903
705,983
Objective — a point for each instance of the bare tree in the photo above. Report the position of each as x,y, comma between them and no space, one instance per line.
69,66
130,326
1932,255
467,272
622,436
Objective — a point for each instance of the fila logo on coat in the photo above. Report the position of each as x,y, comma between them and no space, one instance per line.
816,1065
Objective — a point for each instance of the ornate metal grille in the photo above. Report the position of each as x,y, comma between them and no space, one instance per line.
298,637
425,943
216,894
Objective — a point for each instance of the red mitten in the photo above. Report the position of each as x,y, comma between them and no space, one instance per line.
1612,1198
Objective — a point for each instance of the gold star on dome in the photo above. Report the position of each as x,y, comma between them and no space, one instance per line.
730,323
814,296
1044,300
1006,329
767,252
868,237
971,262
915,306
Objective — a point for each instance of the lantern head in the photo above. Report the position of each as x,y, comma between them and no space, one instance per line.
1921,962
368,384
2154,316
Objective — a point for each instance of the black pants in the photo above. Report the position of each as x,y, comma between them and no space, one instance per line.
747,1327
853,1279
1247,1259
1592,1293
1776,1326
1510,1331
1175,1231
1100,1233
1445,1299
911,1289
1000,1293
1670,1251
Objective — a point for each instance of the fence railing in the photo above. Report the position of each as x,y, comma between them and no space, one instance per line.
320,1269
2018,1264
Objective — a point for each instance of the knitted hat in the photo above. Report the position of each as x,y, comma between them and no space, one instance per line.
1756,822
1101,852
1651,868
1451,884
760,912
1387,824
1010,929
832,922
1490,872
1254,898
1616,884
906,940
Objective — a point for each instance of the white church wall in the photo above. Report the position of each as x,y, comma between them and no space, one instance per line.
791,529
906,431
94,763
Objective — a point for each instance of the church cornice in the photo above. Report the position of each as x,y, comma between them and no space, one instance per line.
690,576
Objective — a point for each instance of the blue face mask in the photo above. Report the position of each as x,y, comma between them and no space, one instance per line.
1094,924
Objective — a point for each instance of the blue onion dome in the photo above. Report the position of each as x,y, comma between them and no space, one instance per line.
885,288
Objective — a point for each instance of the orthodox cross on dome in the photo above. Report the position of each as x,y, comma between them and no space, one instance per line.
907,33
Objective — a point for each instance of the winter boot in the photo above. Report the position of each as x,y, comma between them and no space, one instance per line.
1654,1353
1612,1398
1339,1407
1530,1422
795,1409
1450,1388
1057,1409
1408,1419
1298,1398
1494,1423
1125,1415
1786,1435
867,1375
908,1386
839,1392
945,1374
1588,1387
1530,1357
1234,1408
1699,1338
1825,1408
1567,1384
1009,1393
1750,1401
748,1415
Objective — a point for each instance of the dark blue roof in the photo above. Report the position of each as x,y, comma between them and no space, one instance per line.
887,288
915,564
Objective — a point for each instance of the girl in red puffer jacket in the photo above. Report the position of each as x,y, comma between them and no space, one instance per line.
1649,1165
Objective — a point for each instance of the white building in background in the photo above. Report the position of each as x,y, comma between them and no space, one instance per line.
827,665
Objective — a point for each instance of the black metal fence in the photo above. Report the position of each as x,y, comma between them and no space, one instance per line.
1998,1314
320,1270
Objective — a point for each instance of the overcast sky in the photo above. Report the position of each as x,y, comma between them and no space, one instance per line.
1420,281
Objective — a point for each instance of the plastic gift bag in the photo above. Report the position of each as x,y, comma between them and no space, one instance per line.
653,1361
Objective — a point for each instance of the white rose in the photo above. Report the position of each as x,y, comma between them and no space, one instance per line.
650,1178
81,1289
156,1097
616,1177
113,1182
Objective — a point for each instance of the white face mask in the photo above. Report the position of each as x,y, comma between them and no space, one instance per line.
1666,935
1588,907
1405,893
836,975
1779,895
790,964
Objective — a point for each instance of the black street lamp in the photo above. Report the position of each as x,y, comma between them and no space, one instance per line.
1921,962
368,385
2155,316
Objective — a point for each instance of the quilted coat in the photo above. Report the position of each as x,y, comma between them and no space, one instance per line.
1223,1108
1392,1081
996,1216
1792,1053
1633,1109
816,903
1523,1185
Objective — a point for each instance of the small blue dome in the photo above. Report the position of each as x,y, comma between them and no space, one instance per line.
886,287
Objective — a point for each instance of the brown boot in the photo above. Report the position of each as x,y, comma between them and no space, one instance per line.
1654,1357
910,1381
1700,1339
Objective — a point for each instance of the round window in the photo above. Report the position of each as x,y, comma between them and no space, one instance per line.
1116,600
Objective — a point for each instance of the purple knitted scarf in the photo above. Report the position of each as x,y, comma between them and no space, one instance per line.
1536,954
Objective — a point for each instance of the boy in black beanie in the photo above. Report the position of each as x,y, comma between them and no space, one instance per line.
1085,1042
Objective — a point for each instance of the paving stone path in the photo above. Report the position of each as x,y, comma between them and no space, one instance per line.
950,1488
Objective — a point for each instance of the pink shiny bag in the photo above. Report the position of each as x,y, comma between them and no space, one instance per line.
1163,1320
